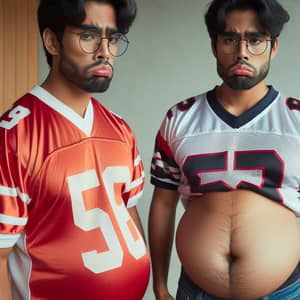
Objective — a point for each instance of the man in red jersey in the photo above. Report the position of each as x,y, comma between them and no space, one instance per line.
70,170
231,154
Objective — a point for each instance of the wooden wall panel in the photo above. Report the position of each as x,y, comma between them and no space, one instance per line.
9,32
18,49
33,48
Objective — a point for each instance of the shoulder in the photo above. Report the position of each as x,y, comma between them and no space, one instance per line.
185,111
185,106
288,105
18,113
182,116
283,116
112,121
292,104
17,125
104,112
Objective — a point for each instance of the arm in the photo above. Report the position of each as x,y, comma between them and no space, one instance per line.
5,285
136,219
161,233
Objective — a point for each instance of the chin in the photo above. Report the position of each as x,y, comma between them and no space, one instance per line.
241,84
97,86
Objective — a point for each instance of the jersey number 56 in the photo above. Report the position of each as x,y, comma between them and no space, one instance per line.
97,218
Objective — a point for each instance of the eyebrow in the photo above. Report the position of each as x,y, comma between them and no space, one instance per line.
97,29
247,33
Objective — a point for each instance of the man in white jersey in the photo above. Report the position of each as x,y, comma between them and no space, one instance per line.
230,154
70,170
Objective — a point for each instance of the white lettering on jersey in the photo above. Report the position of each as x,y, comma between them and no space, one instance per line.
16,114
97,218
111,176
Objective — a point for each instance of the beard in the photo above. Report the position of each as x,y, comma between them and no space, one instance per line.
242,82
91,84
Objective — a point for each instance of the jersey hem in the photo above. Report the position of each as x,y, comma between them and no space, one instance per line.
8,240
163,185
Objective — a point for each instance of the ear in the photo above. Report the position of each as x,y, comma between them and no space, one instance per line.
50,42
275,48
213,47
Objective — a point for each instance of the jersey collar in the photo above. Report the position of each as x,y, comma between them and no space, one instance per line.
239,121
85,123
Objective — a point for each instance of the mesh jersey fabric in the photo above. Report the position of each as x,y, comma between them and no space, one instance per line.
65,183
200,147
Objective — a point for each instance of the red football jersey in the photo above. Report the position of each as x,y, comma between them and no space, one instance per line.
65,185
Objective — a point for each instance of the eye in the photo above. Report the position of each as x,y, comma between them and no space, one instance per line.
87,36
255,41
114,39
230,41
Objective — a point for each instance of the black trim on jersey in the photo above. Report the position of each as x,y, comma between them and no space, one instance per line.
239,121
164,157
293,104
163,185
160,172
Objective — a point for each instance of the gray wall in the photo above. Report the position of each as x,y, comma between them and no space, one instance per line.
169,59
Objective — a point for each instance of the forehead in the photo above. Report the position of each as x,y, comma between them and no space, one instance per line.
241,21
100,15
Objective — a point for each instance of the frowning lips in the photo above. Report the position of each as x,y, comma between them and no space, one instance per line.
241,69
103,71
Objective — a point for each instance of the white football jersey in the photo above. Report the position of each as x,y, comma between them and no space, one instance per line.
201,147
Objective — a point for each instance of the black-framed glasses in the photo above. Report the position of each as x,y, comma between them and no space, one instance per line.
90,42
255,45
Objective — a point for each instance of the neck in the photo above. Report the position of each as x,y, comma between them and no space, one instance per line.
239,101
68,93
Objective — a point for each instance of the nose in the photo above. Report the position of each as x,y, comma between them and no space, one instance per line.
103,51
242,51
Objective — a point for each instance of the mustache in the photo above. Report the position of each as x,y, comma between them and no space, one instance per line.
98,63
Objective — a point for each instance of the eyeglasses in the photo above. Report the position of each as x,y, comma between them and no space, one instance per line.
90,42
255,45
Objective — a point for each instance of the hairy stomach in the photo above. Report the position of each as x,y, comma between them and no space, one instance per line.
238,245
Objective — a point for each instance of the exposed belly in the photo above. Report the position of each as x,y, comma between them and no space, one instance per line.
238,245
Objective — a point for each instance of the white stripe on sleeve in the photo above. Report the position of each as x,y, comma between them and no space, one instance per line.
134,200
8,240
14,192
137,160
12,220
135,183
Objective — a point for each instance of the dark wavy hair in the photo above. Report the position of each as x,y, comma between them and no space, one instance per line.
56,14
272,16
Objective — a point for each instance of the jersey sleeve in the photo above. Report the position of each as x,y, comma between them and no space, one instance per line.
165,172
134,189
13,197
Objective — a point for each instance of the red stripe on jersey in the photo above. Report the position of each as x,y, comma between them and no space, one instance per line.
163,145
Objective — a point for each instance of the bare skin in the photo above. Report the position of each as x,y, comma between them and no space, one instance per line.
68,91
235,245
4,275
71,93
161,232
255,242
133,212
